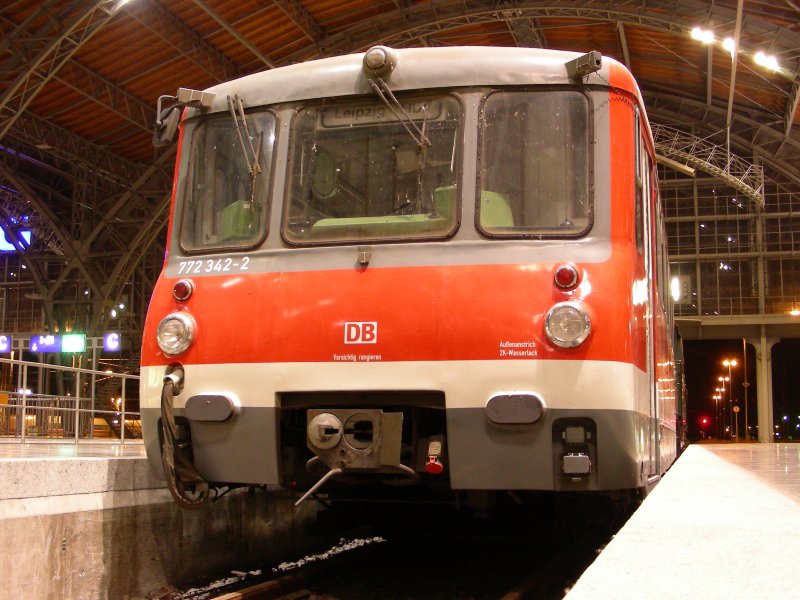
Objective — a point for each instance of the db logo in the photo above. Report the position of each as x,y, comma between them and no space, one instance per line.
360,332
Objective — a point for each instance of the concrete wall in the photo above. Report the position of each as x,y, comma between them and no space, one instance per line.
62,537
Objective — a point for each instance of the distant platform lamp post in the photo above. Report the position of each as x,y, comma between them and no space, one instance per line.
731,363
726,426
745,385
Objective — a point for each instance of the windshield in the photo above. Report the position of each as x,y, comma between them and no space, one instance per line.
535,164
225,198
357,173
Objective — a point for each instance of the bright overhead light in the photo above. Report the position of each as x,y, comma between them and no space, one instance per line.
766,60
675,289
729,45
703,35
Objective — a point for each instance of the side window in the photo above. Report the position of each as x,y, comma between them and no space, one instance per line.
663,255
639,199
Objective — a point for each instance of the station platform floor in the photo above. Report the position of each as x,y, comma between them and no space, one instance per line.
44,478
60,449
724,522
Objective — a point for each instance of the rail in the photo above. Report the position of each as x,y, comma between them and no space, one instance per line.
44,402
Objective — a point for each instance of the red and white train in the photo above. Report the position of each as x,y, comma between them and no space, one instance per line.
434,266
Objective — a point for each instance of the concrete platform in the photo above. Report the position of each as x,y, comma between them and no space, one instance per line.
92,521
90,476
723,523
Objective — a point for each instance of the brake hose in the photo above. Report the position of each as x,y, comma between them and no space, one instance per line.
187,486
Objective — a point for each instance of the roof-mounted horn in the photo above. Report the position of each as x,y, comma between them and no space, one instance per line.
379,61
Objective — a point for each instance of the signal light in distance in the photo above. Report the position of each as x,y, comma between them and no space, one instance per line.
705,421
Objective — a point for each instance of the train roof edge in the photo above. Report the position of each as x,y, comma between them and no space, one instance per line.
454,66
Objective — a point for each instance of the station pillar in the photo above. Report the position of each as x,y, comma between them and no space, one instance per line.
763,346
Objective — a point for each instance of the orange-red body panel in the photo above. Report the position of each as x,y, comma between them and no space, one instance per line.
423,313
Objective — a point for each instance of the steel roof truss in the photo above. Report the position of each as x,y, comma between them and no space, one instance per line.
44,55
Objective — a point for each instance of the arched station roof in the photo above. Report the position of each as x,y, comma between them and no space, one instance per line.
80,79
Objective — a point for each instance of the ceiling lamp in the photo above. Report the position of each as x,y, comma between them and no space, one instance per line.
703,35
729,45
766,60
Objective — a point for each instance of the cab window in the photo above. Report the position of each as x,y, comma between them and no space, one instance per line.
364,171
225,194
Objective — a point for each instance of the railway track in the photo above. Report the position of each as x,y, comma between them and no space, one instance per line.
536,553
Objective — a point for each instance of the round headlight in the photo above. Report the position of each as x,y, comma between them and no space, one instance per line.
567,324
175,333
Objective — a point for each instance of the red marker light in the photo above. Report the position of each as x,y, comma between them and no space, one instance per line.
182,290
566,277
433,466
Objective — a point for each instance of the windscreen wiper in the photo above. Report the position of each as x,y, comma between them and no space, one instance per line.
236,107
422,162
383,92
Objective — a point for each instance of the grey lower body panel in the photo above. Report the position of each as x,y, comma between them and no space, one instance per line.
243,449
481,454
484,455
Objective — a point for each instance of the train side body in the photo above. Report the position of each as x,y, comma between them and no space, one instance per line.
449,331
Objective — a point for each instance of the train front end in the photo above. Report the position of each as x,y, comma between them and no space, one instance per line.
419,268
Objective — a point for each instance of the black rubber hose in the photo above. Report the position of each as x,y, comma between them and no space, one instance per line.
187,486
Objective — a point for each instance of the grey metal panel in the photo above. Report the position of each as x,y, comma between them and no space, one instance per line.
210,407
417,68
517,252
243,449
513,408
601,154
481,455
486,456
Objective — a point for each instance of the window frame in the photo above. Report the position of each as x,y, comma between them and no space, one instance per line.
354,100
190,128
590,175
640,196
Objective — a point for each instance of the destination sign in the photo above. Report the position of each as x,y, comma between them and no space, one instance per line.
364,114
